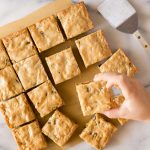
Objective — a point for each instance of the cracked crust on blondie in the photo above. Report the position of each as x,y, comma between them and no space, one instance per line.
98,132
93,48
59,128
17,111
118,100
29,137
118,63
94,97
75,20
4,59
19,45
46,33
45,98
63,66
9,83
30,72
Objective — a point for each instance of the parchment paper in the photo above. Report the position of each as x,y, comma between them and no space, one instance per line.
65,89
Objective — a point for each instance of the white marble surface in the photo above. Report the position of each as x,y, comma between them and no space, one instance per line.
134,135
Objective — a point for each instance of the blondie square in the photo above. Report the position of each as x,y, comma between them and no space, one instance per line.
94,97
46,33
118,100
59,128
4,59
98,132
9,83
75,20
19,45
45,98
93,48
17,111
30,72
119,63
29,137
63,66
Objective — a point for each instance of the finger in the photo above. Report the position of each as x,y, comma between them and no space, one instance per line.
109,85
113,113
105,76
112,79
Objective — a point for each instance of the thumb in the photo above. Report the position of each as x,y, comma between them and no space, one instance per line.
113,113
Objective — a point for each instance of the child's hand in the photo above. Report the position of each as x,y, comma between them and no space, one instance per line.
137,100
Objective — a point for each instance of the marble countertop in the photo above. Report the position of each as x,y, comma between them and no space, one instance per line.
132,136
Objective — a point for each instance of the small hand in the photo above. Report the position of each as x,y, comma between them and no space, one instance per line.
137,100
